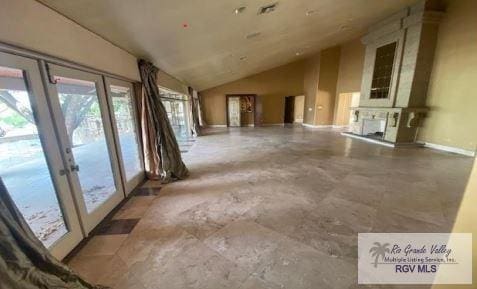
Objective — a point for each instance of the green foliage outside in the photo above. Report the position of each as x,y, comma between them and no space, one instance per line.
14,120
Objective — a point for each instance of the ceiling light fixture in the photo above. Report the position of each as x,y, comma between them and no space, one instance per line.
309,12
298,53
239,9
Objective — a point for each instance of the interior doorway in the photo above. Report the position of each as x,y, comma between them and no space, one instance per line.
241,110
289,109
294,109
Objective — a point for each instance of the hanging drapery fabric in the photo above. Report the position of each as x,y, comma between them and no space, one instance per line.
24,262
194,108
201,112
162,155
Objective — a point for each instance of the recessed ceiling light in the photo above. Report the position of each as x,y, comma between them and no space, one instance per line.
240,10
298,53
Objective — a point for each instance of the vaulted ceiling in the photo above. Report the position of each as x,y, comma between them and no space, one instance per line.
205,43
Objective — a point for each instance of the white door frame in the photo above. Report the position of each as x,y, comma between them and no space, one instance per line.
51,150
88,220
137,179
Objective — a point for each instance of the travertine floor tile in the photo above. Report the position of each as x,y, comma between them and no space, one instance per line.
277,208
102,245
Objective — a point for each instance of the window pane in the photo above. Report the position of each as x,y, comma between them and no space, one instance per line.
383,68
23,166
126,126
84,125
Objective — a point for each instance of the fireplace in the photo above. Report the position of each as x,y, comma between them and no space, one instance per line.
397,66
374,128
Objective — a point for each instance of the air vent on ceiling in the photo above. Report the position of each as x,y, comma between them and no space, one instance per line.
252,35
267,8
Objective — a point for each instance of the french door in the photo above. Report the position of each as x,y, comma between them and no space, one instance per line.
31,164
120,96
69,147
80,110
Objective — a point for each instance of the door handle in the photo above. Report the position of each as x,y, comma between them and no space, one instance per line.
74,168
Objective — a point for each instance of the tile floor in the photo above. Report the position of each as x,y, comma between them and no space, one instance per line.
274,208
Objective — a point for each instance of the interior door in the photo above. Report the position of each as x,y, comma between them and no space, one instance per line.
31,166
234,110
343,109
125,123
79,106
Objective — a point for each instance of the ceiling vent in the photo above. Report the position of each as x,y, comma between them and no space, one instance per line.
253,35
267,8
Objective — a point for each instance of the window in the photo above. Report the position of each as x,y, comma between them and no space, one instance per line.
176,105
383,68
126,129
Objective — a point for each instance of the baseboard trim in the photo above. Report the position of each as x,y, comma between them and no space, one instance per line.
216,125
323,126
273,124
315,126
449,149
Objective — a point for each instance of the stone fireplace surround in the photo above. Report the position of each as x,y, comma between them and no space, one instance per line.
414,30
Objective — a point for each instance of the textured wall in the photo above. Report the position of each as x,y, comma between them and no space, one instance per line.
272,86
452,95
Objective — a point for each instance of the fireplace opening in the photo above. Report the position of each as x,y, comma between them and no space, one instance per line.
374,128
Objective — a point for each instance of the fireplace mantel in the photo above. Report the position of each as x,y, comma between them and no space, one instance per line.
397,66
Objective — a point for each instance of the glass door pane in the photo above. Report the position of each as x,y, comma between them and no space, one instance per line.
82,115
120,94
30,161
23,166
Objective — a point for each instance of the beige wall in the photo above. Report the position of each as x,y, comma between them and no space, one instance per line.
31,25
452,95
320,78
351,67
172,83
328,77
271,86
299,108
310,83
